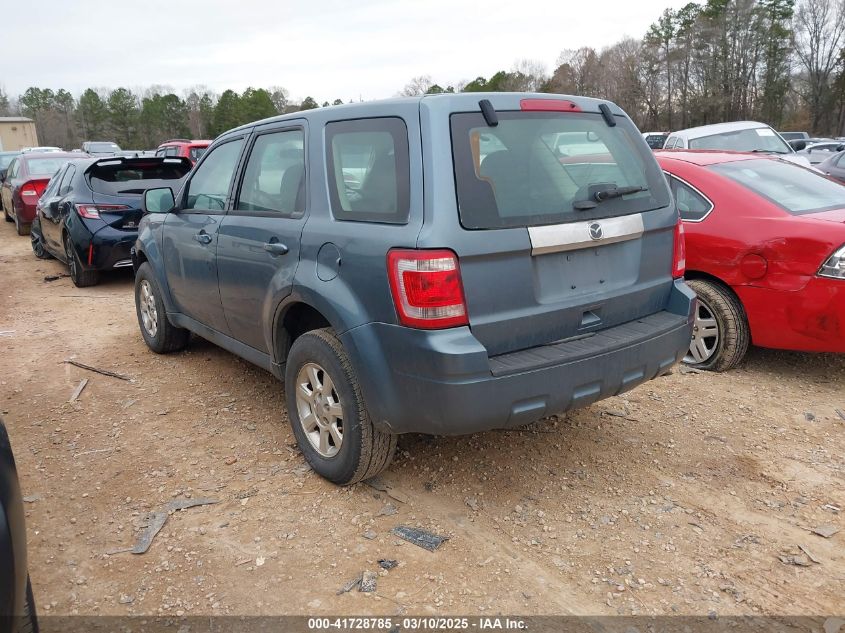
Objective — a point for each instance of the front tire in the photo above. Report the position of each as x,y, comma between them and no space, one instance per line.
81,278
327,412
720,335
159,334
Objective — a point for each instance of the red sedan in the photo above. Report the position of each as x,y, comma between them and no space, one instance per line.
765,244
25,181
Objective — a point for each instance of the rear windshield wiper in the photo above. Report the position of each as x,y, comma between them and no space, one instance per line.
607,194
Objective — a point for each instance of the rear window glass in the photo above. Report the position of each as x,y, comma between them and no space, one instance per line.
791,187
761,139
533,167
655,141
133,177
45,166
369,172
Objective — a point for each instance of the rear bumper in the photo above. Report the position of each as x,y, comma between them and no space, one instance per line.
808,320
106,249
25,211
442,382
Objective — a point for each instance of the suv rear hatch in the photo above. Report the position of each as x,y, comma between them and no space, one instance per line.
119,183
568,223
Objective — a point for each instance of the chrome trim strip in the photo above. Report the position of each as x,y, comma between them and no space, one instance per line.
696,190
556,238
123,263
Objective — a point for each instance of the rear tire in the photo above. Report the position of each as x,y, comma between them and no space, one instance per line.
728,347
37,241
81,278
159,334
20,228
321,388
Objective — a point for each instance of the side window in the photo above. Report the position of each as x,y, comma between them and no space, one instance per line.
274,179
369,170
160,152
840,162
691,204
209,187
64,188
13,169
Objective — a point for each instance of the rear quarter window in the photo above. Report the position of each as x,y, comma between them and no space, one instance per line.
369,171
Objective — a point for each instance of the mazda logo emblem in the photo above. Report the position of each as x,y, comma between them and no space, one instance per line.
595,231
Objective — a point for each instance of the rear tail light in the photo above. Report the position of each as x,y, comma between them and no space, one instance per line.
426,287
92,211
835,265
33,190
679,260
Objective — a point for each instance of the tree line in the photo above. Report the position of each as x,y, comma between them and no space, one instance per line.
779,61
143,120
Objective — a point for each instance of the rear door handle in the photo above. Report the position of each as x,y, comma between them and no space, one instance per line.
203,238
276,248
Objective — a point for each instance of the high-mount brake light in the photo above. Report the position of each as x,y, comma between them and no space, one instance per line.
548,105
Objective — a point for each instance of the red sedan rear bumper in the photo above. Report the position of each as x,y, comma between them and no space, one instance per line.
809,320
26,209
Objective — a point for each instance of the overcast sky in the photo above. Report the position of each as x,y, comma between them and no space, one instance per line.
324,48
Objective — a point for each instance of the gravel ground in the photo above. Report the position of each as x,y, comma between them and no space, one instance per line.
693,494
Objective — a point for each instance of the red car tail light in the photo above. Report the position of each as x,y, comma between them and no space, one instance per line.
834,266
426,288
92,211
33,189
679,260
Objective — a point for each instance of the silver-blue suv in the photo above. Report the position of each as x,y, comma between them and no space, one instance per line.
445,264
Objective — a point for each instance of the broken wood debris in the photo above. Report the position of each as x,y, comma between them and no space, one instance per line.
825,531
104,372
76,392
158,518
350,585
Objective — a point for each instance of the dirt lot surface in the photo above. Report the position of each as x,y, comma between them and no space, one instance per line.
678,497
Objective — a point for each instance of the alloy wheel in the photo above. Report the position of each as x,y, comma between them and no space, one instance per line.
37,244
320,410
705,335
147,304
71,259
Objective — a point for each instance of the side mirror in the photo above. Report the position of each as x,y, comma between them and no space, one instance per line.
2,175
159,200
54,205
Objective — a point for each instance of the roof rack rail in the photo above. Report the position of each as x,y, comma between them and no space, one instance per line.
176,140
